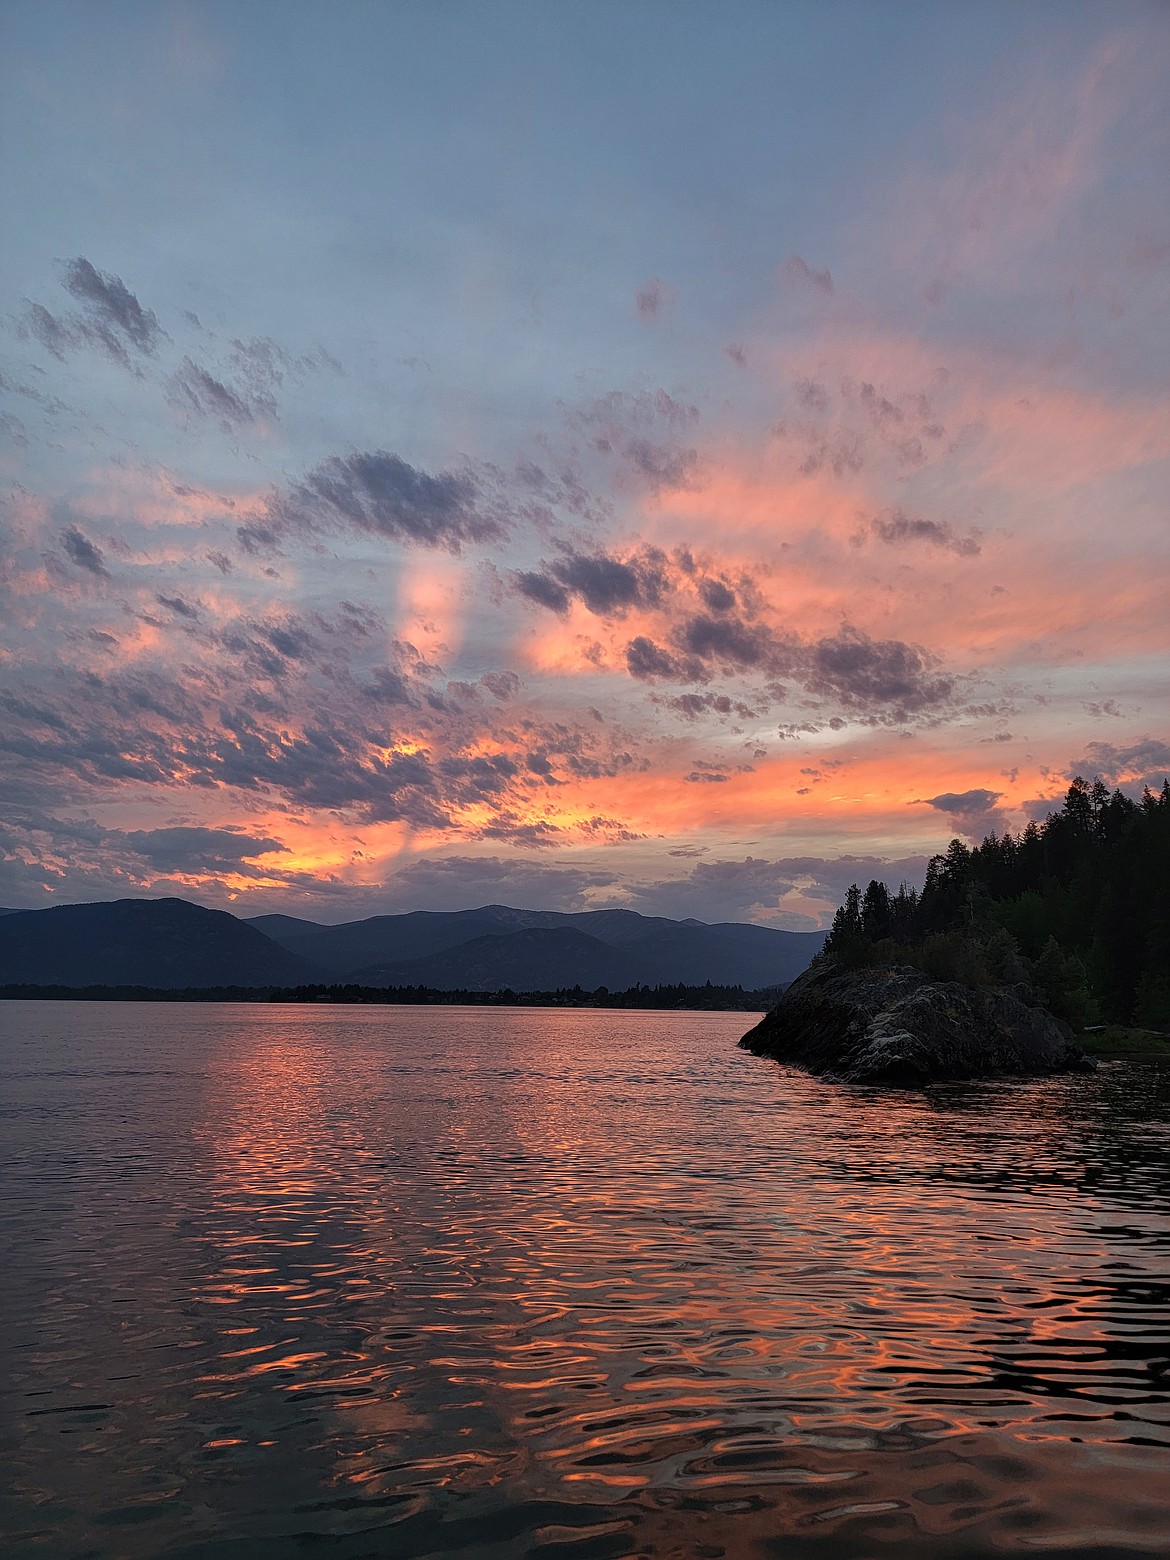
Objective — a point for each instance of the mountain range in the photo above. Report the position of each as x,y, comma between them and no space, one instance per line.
171,943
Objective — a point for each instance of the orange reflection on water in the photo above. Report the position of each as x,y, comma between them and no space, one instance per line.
594,1272
559,1255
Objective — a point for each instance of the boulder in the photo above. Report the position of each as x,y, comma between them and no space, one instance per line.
897,1026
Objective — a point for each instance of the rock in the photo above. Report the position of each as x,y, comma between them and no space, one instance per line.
897,1026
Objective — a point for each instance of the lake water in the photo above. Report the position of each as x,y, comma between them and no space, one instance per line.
300,1281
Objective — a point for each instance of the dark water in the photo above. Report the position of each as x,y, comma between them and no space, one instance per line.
404,1282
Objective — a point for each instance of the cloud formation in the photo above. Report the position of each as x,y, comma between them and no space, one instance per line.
111,320
649,300
194,391
973,813
963,802
111,307
896,527
1147,761
473,538
796,269
85,554
381,494
779,890
607,585
193,849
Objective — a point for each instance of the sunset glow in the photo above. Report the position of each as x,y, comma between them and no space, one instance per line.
684,529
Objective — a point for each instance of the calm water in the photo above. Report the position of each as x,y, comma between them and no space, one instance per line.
402,1282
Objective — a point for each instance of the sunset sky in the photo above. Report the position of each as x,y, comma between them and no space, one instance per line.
683,456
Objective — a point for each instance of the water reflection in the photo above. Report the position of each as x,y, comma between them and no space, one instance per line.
421,1281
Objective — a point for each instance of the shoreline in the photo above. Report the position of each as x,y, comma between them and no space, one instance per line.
661,998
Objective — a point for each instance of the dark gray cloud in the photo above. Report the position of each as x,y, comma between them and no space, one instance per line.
84,553
242,389
1147,759
255,539
647,660
190,848
692,705
973,813
811,395
298,709
195,392
111,318
111,304
261,365
389,686
716,595
887,681
842,451
382,495
842,427
542,589
661,465
848,666
83,860
895,527
650,299
798,270
618,411
464,882
608,586
752,888
51,405
178,605
728,641
13,430
486,775
529,836
52,332
963,802
501,685
643,431
863,671
883,413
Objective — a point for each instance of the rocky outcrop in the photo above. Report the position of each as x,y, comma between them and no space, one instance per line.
897,1026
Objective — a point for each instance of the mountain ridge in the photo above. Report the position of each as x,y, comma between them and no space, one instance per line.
172,943
168,942
727,952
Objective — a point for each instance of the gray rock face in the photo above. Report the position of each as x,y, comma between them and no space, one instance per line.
897,1026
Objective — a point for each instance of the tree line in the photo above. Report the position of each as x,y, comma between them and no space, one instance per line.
705,998
1077,906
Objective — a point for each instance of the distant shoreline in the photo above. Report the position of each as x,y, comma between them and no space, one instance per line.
700,999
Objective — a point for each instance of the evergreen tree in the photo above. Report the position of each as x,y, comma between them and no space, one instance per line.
1081,901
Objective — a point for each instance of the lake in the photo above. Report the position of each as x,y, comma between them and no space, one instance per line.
492,1282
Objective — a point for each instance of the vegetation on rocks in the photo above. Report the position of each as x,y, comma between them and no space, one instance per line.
1077,907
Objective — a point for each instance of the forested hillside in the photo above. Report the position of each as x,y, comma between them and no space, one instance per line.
1079,905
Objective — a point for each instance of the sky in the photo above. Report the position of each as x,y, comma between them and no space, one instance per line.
685,456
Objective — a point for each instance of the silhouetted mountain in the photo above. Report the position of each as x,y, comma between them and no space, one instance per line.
385,939
12,912
172,944
657,950
282,928
534,959
148,942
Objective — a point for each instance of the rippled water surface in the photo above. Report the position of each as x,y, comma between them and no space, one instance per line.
433,1281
